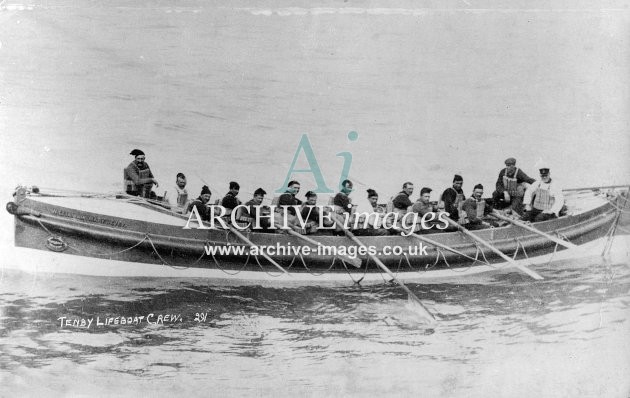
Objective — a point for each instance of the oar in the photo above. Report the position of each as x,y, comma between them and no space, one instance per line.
521,224
231,228
474,237
437,244
251,244
596,188
355,262
421,309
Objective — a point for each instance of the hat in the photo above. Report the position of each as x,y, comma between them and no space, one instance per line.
181,175
310,194
478,186
458,178
260,191
371,193
234,185
544,171
425,190
510,162
205,190
136,152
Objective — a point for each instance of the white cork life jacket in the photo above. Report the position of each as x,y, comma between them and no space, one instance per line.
509,183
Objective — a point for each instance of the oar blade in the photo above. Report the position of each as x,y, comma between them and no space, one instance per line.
414,304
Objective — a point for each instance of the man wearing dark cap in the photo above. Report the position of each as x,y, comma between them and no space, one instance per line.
230,201
138,178
510,187
453,198
201,203
476,208
288,197
253,208
543,199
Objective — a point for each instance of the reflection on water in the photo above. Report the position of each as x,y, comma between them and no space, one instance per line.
353,340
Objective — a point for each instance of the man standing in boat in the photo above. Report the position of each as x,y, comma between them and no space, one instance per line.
543,199
181,197
138,178
510,187
453,198
476,209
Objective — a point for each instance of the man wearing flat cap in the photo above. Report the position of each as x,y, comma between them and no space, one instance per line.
543,199
138,178
510,187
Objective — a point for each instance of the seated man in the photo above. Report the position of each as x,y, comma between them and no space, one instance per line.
248,215
138,178
179,200
310,213
510,187
201,203
547,198
402,202
230,201
453,198
423,206
341,201
373,200
288,197
476,208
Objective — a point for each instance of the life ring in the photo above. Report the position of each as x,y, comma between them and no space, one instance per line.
56,244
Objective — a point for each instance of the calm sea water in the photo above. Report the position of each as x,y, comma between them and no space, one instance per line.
224,92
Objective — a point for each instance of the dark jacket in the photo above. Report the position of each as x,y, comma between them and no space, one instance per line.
449,196
202,208
402,201
230,201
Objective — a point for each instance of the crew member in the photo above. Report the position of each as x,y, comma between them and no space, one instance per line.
310,213
181,198
510,187
543,199
254,207
423,204
342,200
401,202
201,203
138,178
453,198
372,197
476,208
230,201
288,197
